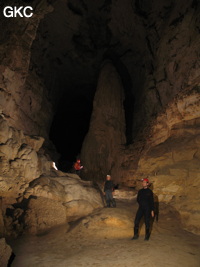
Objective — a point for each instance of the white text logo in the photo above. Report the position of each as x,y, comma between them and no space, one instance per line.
14,12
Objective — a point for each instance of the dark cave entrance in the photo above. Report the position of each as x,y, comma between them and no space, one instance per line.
70,125
73,113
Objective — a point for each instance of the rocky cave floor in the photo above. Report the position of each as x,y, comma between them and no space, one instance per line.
104,239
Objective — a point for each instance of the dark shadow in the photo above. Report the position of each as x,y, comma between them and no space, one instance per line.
97,187
70,124
12,257
156,207
156,204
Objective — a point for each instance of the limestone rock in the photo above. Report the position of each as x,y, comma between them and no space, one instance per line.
107,127
35,142
5,252
20,161
43,214
18,103
172,161
125,194
58,200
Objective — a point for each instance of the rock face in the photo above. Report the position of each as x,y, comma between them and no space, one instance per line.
54,200
57,200
23,100
5,252
42,201
107,128
171,158
21,161
173,42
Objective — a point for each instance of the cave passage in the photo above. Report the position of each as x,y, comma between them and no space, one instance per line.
116,83
70,125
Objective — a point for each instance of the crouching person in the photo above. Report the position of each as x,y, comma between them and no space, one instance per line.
146,209
108,192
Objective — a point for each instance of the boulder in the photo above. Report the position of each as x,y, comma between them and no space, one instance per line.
57,200
42,214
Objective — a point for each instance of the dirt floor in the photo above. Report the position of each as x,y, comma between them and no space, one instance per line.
104,239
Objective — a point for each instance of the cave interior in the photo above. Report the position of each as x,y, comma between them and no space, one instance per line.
114,83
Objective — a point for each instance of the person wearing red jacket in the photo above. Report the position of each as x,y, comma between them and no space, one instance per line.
77,166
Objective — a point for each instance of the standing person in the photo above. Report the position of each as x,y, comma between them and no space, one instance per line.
77,167
146,209
108,192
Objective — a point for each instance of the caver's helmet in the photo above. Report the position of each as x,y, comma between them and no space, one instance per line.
78,160
145,180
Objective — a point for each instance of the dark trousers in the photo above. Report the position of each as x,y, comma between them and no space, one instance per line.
78,172
109,198
146,212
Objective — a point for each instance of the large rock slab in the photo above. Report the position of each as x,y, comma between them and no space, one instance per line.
52,201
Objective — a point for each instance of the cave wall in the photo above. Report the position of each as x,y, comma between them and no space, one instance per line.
171,157
24,109
172,39
22,160
23,100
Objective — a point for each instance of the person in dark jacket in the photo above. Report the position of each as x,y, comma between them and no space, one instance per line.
146,209
108,192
